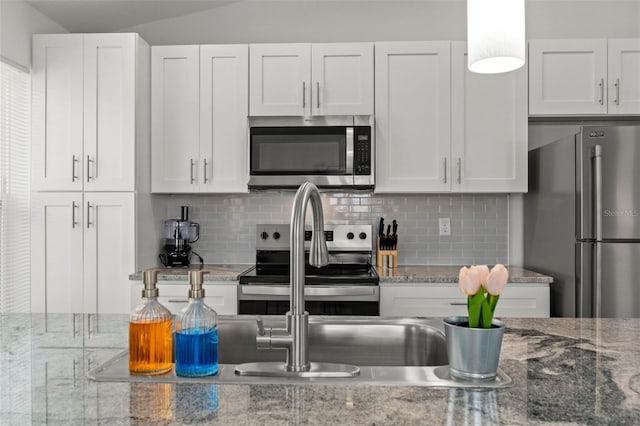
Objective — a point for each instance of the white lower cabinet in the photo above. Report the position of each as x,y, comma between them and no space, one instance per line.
441,300
83,248
222,296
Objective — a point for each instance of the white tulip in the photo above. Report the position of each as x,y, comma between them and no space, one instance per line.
468,280
497,280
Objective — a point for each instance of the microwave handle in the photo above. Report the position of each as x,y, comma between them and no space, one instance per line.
349,170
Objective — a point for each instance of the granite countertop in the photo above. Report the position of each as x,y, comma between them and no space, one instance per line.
216,272
400,274
449,274
568,371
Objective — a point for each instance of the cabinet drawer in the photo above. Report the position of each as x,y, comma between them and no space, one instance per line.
222,297
440,300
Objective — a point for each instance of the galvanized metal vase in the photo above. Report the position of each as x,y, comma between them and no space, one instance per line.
474,353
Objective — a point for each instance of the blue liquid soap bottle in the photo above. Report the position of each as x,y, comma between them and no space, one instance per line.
196,335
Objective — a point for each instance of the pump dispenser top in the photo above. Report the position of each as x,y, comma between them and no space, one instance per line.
196,336
150,340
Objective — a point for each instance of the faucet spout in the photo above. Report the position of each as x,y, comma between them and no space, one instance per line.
318,255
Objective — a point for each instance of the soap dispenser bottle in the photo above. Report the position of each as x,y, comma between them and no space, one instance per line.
150,327
196,335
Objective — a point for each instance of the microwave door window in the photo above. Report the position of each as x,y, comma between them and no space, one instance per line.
299,154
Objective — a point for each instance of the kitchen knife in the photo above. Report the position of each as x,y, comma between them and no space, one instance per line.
394,237
381,233
388,238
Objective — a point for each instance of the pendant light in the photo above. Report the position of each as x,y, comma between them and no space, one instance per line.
495,35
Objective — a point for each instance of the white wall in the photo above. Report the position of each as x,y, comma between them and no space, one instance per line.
18,21
327,21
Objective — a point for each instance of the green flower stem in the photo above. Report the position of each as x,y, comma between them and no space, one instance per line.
493,301
474,307
487,314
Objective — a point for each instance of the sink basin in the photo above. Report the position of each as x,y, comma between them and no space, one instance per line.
361,341
387,351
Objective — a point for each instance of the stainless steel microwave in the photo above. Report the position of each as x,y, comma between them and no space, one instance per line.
328,156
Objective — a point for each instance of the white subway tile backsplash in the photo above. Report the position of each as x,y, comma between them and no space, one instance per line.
479,223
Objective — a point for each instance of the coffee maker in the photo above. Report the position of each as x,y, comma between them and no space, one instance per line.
178,235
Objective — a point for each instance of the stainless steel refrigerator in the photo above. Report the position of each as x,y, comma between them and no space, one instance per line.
582,221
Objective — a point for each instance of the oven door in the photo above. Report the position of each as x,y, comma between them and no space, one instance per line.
290,156
319,300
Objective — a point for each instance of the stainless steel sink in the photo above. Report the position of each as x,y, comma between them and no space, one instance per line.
362,341
388,351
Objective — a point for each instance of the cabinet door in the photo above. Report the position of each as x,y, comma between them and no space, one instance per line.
489,128
175,91
109,251
56,78
56,252
224,93
109,105
342,79
413,116
279,80
568,77
624,76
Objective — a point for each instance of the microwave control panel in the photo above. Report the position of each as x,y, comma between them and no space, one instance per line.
362,150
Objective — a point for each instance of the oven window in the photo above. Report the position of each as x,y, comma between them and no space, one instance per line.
298,150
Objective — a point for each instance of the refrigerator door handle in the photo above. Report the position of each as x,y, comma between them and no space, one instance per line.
597,281
596,214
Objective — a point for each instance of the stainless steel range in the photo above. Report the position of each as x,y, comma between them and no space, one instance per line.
347,286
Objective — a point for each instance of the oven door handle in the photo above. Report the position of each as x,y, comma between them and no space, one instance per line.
260,290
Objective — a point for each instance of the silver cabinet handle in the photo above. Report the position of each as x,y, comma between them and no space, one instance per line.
459,170
73,214
89,161
74,160
178,301
317,94
89,207
617,86
601,84
444,179
304,95
458,303
206,163
192,178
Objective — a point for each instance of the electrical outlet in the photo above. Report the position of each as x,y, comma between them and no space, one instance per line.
445,225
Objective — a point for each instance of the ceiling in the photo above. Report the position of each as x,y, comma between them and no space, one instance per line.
114,15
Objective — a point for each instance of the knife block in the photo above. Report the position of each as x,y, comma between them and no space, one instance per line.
392,257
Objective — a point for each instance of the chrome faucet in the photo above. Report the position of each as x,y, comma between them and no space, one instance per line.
295,337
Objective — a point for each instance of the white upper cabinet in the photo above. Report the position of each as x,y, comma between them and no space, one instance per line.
489,128
175,94
57,110
442,128
224,107
413,116
84,103
279,79
302,79
584,76
199,118
624,76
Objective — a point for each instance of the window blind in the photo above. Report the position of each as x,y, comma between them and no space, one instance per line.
15,282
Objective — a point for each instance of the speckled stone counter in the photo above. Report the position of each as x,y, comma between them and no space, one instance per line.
216,272
449,274
566,371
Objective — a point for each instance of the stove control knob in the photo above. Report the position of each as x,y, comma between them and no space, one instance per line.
276,235
350,235
264,235
363,236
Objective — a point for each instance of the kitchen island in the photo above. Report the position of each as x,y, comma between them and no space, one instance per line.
569,371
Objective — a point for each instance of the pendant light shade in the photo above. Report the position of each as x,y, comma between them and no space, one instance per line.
495,35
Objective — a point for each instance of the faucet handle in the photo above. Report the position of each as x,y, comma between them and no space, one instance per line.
261,331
